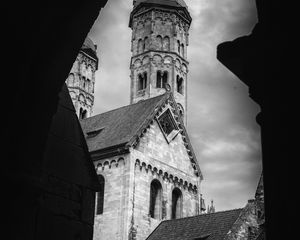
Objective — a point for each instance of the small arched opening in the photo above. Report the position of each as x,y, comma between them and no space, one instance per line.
155,209
176,203
100,195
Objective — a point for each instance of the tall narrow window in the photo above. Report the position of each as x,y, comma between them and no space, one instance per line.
142,81
165,79
140,46
176,203
159,42
158,79
146,44
155,199
82,113
179,82
166,44
178,46
161,79
182,50
100,196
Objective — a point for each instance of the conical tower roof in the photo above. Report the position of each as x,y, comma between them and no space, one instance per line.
173,3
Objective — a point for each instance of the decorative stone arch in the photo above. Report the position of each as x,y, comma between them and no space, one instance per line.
168,60
156,195
157,59
178,63
137,63
145,60
81,98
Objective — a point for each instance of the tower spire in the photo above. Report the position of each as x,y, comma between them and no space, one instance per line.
159,50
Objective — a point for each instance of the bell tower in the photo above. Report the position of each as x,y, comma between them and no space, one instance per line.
160,36
81,79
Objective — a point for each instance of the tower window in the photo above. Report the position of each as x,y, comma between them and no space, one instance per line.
179,82
140,46
155,199
82,113
182,50
146,43
176,203
166,44
142,81
159,42
100,196
178,46
180,108
161,79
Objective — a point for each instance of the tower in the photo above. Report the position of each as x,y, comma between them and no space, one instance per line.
160,36
81,80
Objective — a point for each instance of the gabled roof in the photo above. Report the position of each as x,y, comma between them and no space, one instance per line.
212,226
119,125
117,130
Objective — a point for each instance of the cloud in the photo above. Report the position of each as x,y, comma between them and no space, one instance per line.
221,116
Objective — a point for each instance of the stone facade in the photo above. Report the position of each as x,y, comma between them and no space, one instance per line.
127,186
81,80
160,37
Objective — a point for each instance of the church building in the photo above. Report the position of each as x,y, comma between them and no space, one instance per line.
142,153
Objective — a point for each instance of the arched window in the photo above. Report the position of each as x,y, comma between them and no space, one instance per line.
176,203
179,82
155,209
100,195
159,42
165,79
161,79
140,46
158,79
166,44
178,46
82,113
181,111
146,44
142,81
182,50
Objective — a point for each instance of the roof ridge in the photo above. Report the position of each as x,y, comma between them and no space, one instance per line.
116,109
205,214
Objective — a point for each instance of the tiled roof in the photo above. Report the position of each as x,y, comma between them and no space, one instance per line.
212,226
118,126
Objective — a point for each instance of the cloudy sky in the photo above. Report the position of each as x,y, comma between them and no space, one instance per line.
221,116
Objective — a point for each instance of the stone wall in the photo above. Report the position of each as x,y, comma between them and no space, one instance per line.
170,165
113,224
127,186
